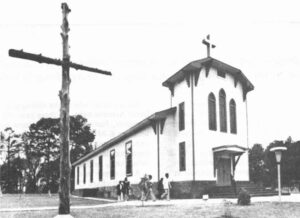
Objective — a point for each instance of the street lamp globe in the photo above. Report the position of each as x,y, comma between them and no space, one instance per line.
278,154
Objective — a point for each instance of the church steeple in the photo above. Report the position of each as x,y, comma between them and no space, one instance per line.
208,44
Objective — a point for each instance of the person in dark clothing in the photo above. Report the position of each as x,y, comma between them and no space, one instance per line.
160,188
125,190
119,191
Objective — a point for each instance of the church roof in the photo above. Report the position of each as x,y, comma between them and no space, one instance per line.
209,62
134,129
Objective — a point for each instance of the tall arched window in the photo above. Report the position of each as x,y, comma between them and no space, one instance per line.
232,108
212,120
222,108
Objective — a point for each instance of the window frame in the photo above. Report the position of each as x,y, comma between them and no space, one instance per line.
128,171
182,157
84,173
100,165
233,116
78,174
212,112
181,116
112,161
91,171
223,111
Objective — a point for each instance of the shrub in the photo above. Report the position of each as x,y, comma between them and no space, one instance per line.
244,197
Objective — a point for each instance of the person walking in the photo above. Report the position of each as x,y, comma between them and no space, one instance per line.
143,187
119,191
167,187
125,190
150,189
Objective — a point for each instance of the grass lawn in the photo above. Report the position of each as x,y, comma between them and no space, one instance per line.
39,200
221,210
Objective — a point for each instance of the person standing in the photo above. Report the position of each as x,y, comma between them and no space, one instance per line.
125,190
119,191
160,188
167,187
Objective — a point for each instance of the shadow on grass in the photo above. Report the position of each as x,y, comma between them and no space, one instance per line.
227,216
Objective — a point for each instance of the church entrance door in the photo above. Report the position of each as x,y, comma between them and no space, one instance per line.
223,172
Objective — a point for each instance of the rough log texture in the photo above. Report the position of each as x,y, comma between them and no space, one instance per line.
65,166
42,59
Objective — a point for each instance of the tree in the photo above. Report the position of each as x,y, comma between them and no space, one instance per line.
33,157
271,165
81,137
291,163
41,144
263,166
11,143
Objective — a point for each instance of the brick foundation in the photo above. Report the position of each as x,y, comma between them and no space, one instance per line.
179,190
191,189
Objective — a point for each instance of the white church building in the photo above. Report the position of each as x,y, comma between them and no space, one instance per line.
200,140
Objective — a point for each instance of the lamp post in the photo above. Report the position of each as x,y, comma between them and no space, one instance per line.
278,153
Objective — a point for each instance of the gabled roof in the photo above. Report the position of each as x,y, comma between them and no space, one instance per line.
134,129
209,62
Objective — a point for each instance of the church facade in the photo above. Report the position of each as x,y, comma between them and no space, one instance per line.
200,141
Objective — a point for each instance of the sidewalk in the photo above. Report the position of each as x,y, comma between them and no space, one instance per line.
289,198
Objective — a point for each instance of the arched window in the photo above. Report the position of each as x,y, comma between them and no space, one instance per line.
232,108
212,120
222,108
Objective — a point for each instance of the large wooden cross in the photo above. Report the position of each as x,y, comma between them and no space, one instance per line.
65,166
208,44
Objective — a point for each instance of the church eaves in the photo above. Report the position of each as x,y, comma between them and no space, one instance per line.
134,129
207,63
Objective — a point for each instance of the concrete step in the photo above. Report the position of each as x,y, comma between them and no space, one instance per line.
232,195
253,189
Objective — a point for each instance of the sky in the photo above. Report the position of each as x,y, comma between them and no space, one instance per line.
143,43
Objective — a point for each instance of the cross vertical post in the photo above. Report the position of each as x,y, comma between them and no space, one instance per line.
208,44
65,166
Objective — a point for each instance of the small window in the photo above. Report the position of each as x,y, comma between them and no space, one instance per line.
84,173
232,107
92,171
222,108
212,121
128,153
112,164
100,168
182,156
77,175
181,116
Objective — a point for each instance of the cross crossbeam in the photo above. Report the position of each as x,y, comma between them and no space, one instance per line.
42,59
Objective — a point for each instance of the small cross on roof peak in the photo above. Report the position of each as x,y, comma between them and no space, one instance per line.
208,44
